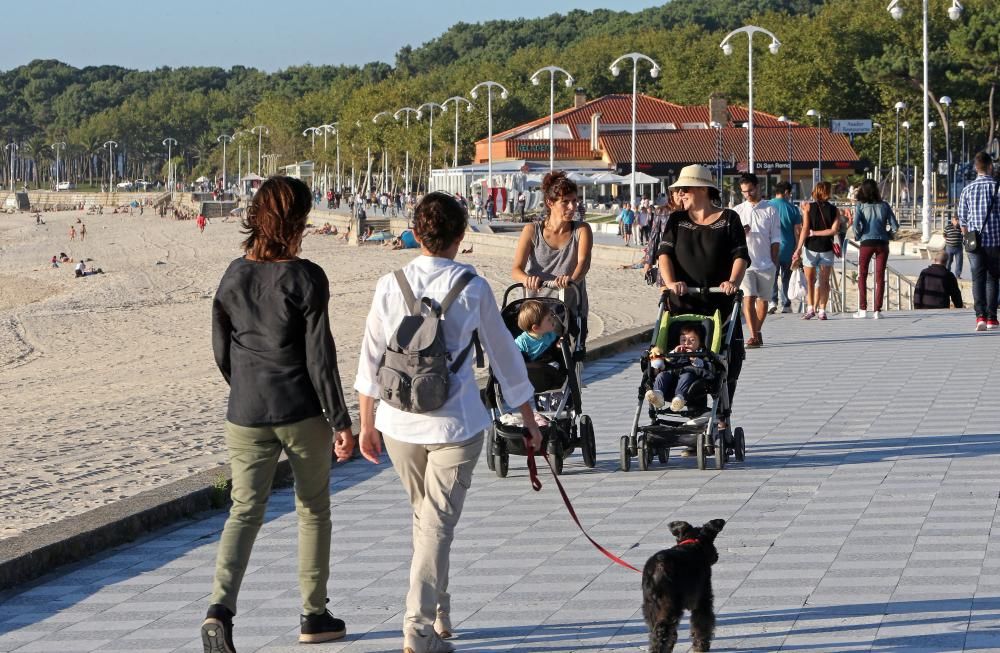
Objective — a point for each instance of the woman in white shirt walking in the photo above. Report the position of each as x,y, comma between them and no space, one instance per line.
435,452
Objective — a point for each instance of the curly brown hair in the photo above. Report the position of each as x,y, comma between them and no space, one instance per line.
438,221
557,185
276,219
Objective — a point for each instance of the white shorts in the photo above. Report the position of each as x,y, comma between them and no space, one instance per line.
758,283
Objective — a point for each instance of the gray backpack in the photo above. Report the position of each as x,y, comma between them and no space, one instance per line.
415,373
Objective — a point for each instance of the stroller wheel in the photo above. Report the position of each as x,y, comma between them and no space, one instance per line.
643,452
491,435
625,455
588,443
700,449
501,459
739,445
664,455
555,452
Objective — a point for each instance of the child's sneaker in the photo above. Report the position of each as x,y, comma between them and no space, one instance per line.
655,399
678,404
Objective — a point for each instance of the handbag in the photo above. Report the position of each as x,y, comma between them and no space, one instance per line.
797,285
837,251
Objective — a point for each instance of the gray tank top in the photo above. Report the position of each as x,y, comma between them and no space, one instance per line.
548,263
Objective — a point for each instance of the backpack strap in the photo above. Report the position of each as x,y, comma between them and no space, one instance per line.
412,305
460,359
456,290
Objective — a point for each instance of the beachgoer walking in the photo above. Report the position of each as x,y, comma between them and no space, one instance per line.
72,232
83,231
874,221
491,208
979,211
557,249
522,200
953,246
820,223
628,219
272,343
434,452
200,221
763,237
477,203
791,225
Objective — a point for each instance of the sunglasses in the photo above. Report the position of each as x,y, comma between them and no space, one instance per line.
687,190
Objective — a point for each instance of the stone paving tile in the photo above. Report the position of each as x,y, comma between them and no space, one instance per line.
865,519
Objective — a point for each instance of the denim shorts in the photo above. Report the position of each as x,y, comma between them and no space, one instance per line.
811,259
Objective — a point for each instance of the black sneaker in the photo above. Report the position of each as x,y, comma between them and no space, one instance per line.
217,630
316,628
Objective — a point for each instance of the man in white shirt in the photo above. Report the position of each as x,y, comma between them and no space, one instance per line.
763,228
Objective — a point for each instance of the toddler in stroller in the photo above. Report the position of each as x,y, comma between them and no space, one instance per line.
682,383
544,330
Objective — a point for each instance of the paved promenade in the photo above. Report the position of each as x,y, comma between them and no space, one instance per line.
862,520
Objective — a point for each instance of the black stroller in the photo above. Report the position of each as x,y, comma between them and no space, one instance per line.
697,424
556,379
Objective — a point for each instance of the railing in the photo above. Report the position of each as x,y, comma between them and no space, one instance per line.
895,282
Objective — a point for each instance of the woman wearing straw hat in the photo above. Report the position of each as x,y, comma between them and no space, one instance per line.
705,246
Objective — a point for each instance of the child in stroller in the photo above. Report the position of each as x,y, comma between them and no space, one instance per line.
680,383
551,344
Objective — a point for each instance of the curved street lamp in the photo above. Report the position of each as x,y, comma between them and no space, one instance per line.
329,129
899,106
261,130
406,111
906,170
536,80
11,149
504,94
727,49
224,138
788,124
430,106
55,146
963,158
946,101
170,142
457,99
111,165
636,57
385,156
954,13
813,113
878,177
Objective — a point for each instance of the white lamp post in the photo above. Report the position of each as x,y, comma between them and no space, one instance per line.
170,142
406,111
718,152
385,157
819,140
878,177
224,138
430,106
312,151
963,158
906,169
727,49
954,13
111,164
55,146
654,72
11,149
489,121
946,101
788,124
899,106
261,130
536,80
457,99
327,129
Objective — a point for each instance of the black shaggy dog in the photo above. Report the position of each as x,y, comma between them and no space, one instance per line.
678,579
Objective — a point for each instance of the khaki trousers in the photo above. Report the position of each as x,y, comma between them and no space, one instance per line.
436,478
253,456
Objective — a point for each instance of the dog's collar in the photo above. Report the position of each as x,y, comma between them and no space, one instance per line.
688,541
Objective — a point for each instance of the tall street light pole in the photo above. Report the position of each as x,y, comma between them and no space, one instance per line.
878,177
788,124
962,159
11,149
312,150
654,72
954,13
718,152
111,164
906,169
224,138
170,142
489,86
819,140
457,99
536,80
55,146
261,130
430,106
327,129
385,157
406,111
946,101
899,106
727,49
239,161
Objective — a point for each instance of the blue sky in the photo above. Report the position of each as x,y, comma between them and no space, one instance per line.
269,35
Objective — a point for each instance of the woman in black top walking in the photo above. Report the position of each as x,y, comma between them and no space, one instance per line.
705,246
272,343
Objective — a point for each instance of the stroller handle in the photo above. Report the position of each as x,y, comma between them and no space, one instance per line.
550,285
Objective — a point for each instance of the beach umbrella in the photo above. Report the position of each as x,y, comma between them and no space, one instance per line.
609,178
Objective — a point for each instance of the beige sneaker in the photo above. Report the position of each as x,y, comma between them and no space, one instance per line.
442,625
678,404
413,643
655,399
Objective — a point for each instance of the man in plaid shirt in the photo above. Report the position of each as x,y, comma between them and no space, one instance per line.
979,210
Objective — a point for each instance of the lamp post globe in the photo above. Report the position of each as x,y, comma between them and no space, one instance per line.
635,57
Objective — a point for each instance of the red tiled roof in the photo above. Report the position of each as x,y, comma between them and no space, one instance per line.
700,145
616,109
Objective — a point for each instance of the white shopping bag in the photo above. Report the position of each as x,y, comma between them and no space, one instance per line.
797,285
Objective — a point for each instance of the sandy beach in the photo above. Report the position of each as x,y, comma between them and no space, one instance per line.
107,383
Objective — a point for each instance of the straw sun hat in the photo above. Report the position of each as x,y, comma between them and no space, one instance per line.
694,175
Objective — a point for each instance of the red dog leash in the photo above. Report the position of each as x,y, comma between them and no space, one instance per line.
536,485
